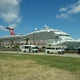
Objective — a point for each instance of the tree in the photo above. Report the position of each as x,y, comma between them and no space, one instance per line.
0,41
12,42
26,39
17,48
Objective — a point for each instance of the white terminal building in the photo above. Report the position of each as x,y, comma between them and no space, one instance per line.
44,37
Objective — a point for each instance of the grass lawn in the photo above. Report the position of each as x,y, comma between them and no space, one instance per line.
38,67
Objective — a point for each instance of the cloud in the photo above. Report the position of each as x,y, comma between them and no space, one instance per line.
9,11
67,12
74,8
3,28
63,9
11,26
63,15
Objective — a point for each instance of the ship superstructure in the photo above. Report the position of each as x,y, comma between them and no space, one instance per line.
50,36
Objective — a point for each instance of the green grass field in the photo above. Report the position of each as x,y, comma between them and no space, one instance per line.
38,67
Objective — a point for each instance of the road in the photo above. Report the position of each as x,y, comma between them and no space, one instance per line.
42,53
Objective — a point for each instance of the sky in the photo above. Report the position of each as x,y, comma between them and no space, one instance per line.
26,15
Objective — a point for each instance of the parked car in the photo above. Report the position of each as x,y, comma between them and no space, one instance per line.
54,50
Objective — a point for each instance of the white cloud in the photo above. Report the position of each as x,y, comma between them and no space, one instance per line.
61,16
63,9
3,28
68,11
75,8
9,11
13,25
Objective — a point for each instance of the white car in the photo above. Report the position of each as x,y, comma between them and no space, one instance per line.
54,50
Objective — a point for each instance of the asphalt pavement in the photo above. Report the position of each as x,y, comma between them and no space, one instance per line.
43,53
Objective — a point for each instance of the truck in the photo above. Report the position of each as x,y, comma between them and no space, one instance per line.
28,48
51,50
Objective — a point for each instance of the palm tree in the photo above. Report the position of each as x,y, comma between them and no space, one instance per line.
27,39
17,48
12,42
0,41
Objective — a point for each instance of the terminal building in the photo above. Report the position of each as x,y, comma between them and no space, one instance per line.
43,37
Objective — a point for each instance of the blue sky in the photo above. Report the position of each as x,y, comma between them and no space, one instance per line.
26,15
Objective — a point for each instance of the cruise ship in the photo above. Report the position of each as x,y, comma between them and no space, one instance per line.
45,36
50,36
